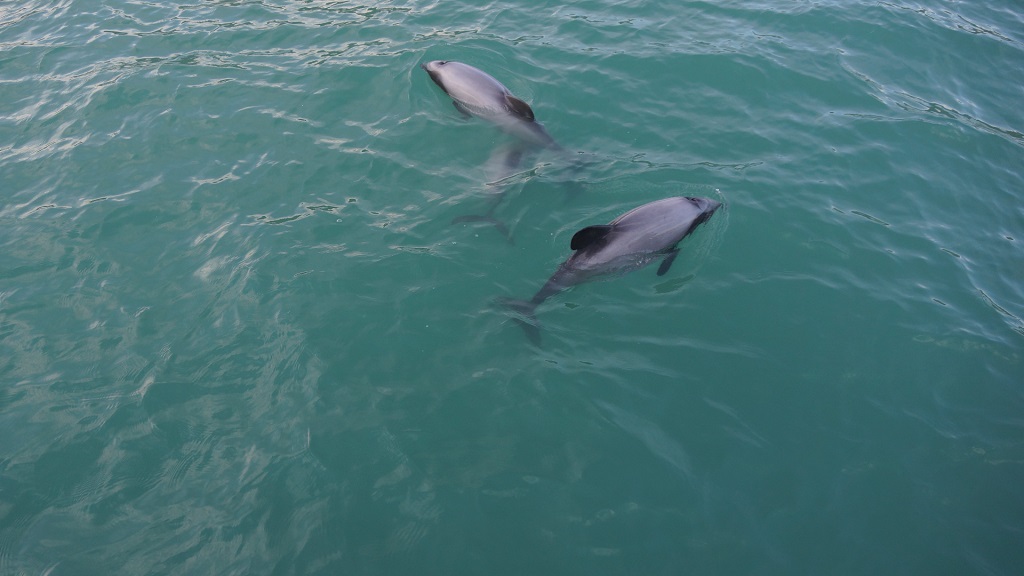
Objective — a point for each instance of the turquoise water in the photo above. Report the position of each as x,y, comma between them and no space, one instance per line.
240,335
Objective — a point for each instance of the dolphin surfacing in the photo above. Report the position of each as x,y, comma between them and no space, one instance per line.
629,242
477,93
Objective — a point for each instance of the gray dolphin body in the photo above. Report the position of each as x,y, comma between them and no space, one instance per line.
630,242
476,93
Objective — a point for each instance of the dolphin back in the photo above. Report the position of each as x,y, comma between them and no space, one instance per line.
654,227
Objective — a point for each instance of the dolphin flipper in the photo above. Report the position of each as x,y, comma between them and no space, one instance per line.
667,262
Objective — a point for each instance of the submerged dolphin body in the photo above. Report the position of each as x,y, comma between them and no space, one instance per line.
499,169
477,93
630,242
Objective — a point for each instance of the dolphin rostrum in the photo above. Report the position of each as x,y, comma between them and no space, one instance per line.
627,243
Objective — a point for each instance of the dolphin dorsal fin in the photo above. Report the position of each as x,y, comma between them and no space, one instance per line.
518,107
589,236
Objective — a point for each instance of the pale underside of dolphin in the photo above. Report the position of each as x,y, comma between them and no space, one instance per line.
627,243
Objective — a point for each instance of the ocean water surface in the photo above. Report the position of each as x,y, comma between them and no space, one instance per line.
240,334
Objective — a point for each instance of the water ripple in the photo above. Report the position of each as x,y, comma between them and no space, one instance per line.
239,334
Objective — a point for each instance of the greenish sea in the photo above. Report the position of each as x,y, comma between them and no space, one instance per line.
240,334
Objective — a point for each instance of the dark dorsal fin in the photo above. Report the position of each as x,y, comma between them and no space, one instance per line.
589,236
518,107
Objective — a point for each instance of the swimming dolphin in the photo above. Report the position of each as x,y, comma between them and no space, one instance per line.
476,93
627,243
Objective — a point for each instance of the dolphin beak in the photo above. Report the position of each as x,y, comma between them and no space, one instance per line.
706,205
433,75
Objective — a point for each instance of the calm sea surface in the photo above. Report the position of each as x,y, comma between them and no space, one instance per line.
240,334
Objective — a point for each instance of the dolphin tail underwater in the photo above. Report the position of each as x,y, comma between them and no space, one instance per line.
500,226
525,310
525,317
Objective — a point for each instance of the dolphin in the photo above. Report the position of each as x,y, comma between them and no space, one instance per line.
477,93
629,242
